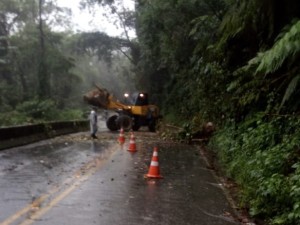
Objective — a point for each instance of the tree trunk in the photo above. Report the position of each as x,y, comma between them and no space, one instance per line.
43,76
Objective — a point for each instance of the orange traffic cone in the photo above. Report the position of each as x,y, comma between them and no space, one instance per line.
154,166
121,138
132,145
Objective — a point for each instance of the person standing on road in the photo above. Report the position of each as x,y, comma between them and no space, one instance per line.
93,123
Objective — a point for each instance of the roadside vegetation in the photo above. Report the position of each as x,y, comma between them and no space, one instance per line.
231,62
234,63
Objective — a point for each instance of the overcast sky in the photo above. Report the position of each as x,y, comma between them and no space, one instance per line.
85,21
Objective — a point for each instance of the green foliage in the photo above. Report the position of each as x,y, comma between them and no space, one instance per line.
186,133
13,118
37,109
70,114
284,53
98,42
286,47
22,78
262,155
290,90
176,50
269,81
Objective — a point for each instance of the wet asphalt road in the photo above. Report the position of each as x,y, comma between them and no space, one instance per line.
74,180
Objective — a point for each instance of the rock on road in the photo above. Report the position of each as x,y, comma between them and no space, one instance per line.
74,180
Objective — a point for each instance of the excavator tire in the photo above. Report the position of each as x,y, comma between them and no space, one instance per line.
111,123
136,125
125,122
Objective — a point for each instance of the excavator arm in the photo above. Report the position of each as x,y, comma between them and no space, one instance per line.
115,105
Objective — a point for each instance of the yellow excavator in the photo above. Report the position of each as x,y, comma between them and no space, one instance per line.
133,113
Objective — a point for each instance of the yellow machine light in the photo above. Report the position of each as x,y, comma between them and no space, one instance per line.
142,95
126,95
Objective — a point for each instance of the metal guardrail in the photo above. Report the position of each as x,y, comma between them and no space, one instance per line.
21,135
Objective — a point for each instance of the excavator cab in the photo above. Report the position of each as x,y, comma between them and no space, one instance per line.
136,99
140,99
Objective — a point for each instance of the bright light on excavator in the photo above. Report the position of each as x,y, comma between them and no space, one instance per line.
126,95
141,95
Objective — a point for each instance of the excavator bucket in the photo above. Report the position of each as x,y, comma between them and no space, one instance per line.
98,97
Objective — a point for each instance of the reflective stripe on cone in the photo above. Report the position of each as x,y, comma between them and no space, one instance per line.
121,138
132,145
154,171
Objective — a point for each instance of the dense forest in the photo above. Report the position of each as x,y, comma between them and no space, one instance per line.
44,72
232,62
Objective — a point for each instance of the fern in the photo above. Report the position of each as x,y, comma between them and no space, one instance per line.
290,89
286,46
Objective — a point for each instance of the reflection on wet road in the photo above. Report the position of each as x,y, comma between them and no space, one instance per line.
79,181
